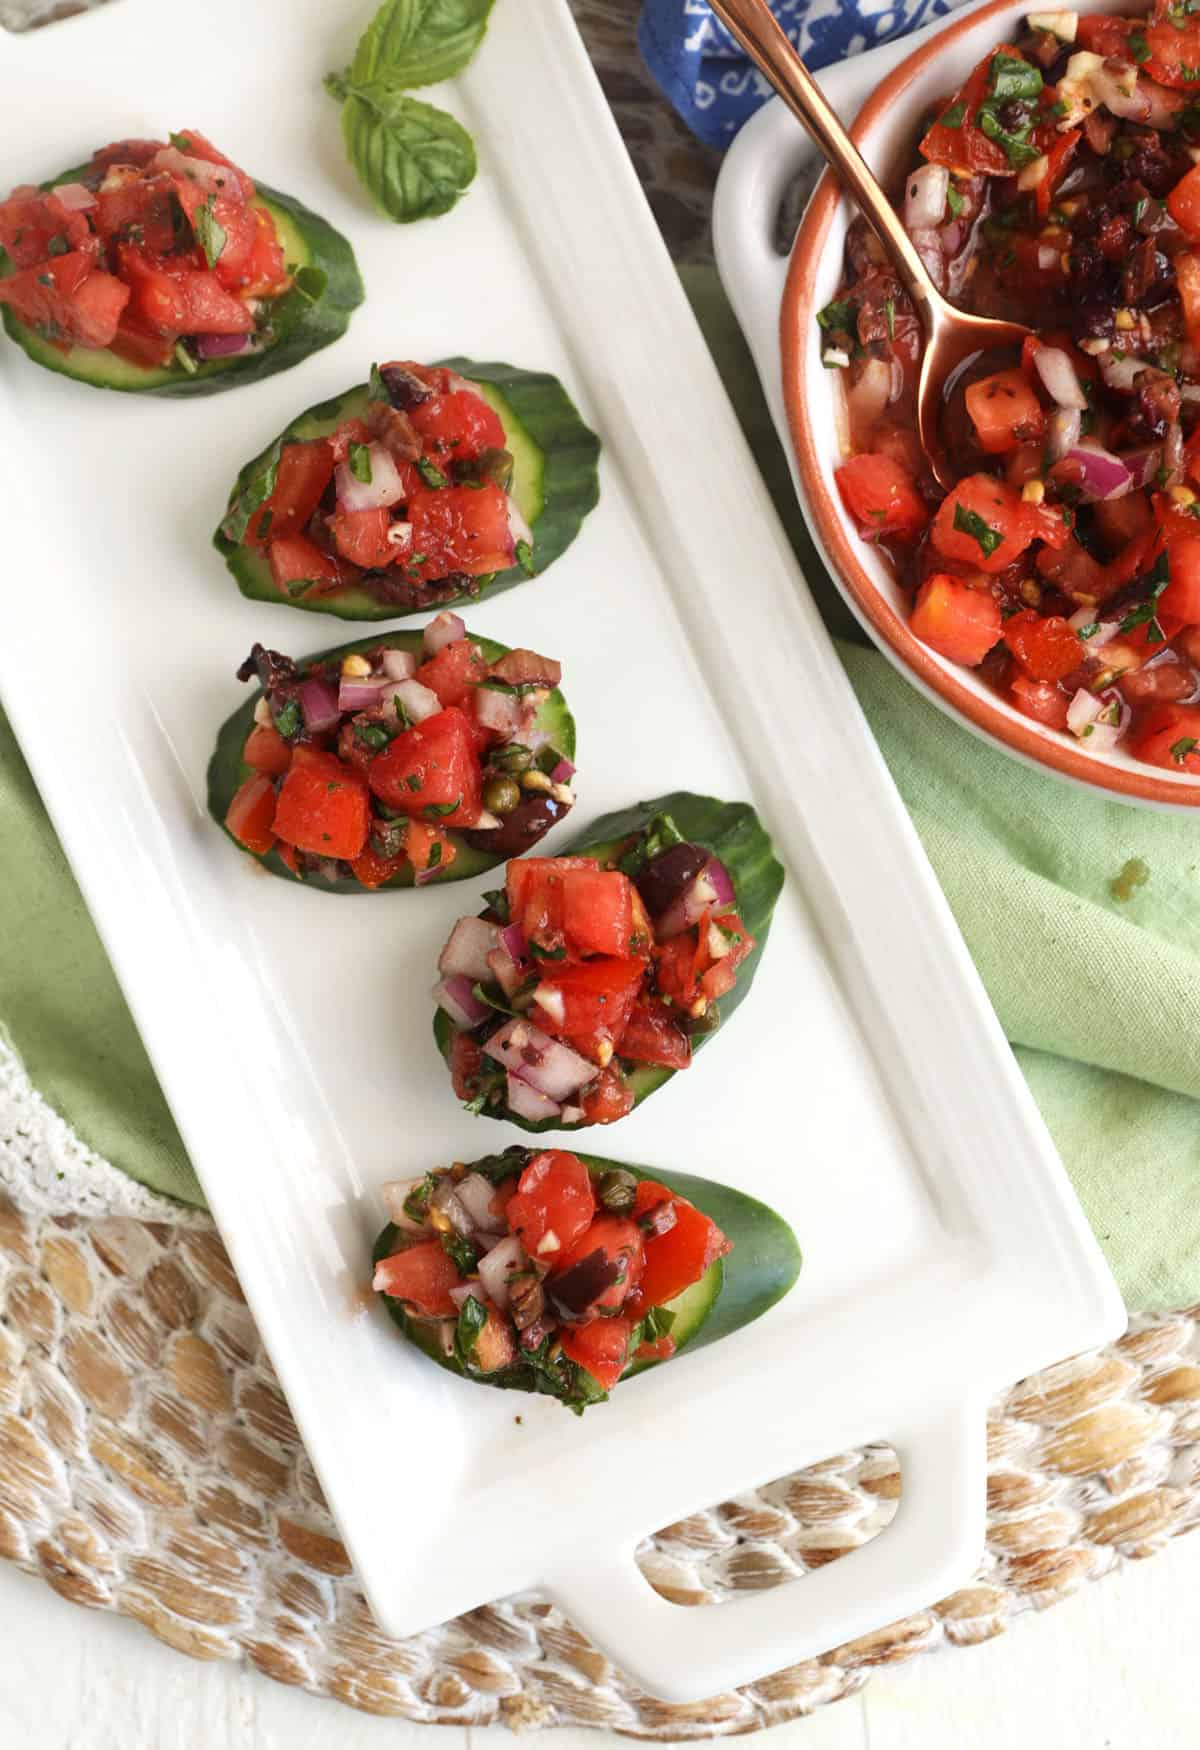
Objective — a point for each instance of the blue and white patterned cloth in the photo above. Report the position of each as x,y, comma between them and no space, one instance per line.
711,82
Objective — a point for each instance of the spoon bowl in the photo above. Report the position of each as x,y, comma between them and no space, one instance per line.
952,336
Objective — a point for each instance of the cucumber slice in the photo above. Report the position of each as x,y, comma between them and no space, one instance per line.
555,484
313,314
736,1290
733,832
227,770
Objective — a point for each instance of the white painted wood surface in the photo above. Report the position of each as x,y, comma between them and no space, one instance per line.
1111,1669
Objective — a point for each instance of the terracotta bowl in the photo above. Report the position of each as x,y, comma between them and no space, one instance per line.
885,131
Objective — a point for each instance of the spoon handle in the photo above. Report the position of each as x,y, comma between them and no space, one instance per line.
756,28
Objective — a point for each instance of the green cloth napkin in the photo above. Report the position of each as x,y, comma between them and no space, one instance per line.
1082,916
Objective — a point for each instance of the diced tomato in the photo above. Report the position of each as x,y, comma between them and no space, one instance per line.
598,911
422,1275
428,847
195,145
156,297
1121,520
466,1062
677,969
1174,59
1047,649
1057,159
431,770
233,265
302,473
457,426
622,1254
960,623
1181,598
653,1035
266,270
534,887
880,495
296,562
373,871
601,1348
678,1258
1044,701
1183,203
1152,634
133,342
959,144
1160,683
323,807
659,1349
554,1204
454,672
1050,523
1170,737
361,536
1005,412
495,1346
717,970
461,528
607,1099
589,1003
250,814
30,221
139,209
1187,283
66,300
350,431
138,152
209,308
1102,34
267,751
991,530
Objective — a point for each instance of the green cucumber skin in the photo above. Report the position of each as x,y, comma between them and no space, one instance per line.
736,1290
731,831
533,402
226,771
307,326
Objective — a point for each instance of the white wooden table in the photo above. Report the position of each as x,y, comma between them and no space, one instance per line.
1111,1669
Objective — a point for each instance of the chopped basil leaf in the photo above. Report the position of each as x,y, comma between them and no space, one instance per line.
472,1318
955,201
416,1204
889,310
185,358
1182,748
1145,613
58,246
371,735
496,901
1090,630
376,388
969,522
461,1252
259,490
359,458
953,118
290,721
414,782
430,473
540,953
435,810
1010,77
838,315
435,854
1015,143
524,553
210,234
1139,48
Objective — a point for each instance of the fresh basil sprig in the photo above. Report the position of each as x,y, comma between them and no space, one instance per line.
414,160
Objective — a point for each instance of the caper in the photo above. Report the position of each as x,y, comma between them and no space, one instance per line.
500,795
618,1190
513,758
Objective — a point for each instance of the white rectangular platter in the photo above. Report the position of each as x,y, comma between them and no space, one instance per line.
864,1090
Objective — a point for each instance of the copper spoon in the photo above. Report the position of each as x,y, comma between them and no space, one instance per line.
951,336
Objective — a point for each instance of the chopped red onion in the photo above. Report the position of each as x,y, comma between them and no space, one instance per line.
928,246
459,1001
525,1102
1165,105
360,695
1047,257
467,948
500,712
1062,432
497,1269
384,488
1101,475
1119,373
1084,715
518,528
418,700
476,1194
1172,455
1116,85
395,1194
319,703
1106,630
1057,371
399,665
512,938
1143,463
400,537
721,881
925,197
563,772
212,178
572,1114
504,969
465,1291
546,1064
75,197
446,629
218,346
870,393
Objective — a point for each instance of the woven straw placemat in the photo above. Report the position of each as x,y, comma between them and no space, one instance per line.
149,1465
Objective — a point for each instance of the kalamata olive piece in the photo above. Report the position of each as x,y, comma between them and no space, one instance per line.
405,389
662,881
575,1292
533,816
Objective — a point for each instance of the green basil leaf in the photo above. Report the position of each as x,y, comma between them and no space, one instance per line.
420,42
359,458
257,492
414,160
969,522
210,235
471,1320
1010,76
